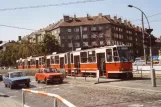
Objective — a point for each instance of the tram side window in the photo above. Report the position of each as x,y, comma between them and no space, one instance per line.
71,58
115,53
52,60
39,61
32,61
91,56
25,62
56,59
83,57
43,60
20,63
109,55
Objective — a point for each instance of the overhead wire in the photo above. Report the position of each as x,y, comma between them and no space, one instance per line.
49,5
147,16
16,27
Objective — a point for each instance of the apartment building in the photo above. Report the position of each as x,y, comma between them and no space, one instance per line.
101,30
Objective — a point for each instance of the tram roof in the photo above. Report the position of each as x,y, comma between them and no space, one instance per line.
101,48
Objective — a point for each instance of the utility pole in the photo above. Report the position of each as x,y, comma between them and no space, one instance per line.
142,15
153,76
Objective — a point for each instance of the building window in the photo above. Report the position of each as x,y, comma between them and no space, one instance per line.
93,36
100,27
101,42
120,29
85,43
84,28
69,37
85,36
94,43
77,44
77,37
62,45
69,44
69,30
76,29
63,37
93,28
108,42
101,35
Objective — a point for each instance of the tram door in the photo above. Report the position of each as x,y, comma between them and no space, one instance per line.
61,62
69,62
37,64
28,64
77,63
48,63
23,65
101,64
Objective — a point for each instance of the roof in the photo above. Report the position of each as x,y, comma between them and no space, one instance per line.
86,21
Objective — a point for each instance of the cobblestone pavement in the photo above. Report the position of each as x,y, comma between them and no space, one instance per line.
86,94
146,81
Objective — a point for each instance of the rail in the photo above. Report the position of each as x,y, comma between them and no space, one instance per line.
56,97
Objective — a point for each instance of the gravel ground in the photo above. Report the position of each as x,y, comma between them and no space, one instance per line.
9,102
86,94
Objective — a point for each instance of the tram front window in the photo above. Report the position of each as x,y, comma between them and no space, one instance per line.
124,54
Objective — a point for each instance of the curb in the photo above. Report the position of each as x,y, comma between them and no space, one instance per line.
140,89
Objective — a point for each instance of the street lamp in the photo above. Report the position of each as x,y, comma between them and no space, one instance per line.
142,29
149,32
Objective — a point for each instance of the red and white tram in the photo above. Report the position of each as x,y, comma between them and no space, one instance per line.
109,61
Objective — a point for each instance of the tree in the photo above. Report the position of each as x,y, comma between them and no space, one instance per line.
50,44
16,50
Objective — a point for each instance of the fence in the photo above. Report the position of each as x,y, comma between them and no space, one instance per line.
142,73
42,99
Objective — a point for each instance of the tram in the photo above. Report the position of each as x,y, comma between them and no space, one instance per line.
109,61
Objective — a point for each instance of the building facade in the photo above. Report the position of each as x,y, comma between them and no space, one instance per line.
102,30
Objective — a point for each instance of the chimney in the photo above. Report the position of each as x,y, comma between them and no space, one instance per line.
120,20
19,38
108,16
75,16
115,19
66,18
87,15
133,26
100,15
125,22
129,24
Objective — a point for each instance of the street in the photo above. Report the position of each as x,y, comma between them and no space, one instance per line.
85,94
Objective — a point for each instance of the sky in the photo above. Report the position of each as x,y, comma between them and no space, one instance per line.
41,17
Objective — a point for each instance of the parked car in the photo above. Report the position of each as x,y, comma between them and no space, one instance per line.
49,75
139,62
16,78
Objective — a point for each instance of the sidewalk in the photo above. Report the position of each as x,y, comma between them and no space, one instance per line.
144,85
6,101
